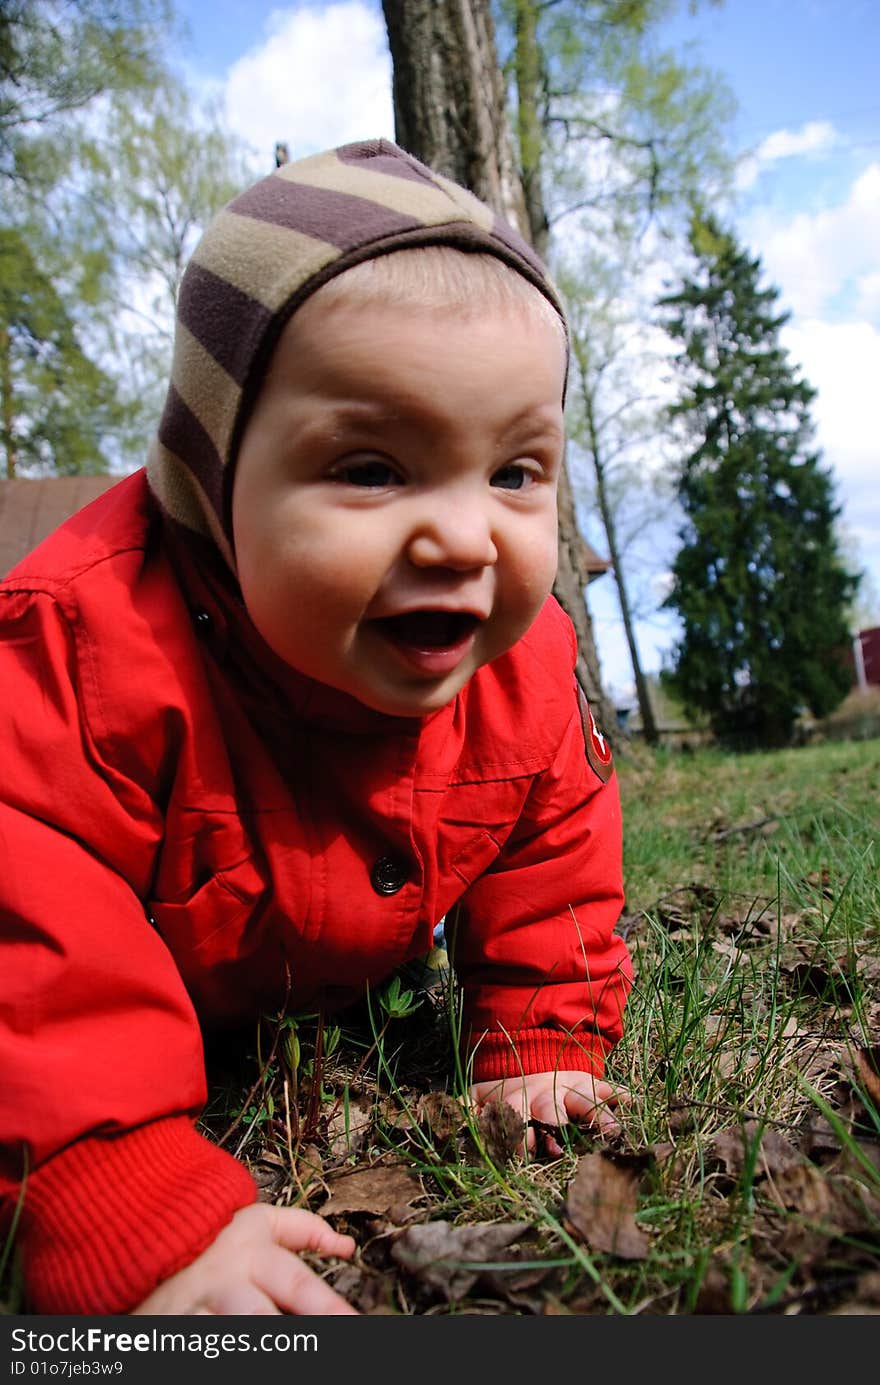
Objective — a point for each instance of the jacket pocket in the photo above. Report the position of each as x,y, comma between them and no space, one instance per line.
216,936
475,857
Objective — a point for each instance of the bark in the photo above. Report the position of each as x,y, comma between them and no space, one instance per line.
529,122
449,111
6,422
449,108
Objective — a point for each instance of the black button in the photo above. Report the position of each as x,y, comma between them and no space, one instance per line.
387,876
204,624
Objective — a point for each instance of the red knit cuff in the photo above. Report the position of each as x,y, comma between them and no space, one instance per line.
109,1218
524,1051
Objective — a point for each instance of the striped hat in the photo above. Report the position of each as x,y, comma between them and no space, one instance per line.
258,260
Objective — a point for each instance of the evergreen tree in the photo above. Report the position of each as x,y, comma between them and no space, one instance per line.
759,582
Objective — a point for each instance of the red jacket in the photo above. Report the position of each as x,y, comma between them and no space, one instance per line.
183,820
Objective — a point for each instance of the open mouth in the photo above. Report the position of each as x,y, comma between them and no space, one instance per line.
429,629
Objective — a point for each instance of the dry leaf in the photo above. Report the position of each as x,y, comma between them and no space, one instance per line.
502,1130
382,1190
868,1064
448,1258
682,1116
804,1190
347,1130
600,1205
775,1154
368,1290
444,1115
310,1167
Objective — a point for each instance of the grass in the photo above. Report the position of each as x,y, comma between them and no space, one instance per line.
745,1177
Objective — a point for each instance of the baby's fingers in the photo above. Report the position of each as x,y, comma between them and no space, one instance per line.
574,1096
593,1100
296,1229
296,1289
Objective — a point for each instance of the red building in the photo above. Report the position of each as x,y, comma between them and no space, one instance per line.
866,654
31,509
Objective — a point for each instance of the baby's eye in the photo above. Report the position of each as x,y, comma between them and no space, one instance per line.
371,472
512,477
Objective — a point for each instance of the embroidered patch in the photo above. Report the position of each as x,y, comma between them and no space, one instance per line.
597,747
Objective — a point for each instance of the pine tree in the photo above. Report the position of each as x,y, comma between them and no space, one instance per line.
759,582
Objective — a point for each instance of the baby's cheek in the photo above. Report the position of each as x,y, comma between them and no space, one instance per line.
540,571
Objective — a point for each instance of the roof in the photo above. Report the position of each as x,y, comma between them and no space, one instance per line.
30,509
868,655
593,565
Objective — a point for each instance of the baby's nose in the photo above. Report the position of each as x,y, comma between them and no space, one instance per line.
454,536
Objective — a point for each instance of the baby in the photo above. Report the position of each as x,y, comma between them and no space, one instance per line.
273,706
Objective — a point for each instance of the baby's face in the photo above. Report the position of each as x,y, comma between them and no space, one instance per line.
394,505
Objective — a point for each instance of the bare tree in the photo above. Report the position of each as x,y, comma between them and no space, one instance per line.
600,452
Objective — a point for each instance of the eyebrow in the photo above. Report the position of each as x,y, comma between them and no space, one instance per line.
376,414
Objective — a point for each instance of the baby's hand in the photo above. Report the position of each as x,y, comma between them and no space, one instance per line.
553,1098
251,1268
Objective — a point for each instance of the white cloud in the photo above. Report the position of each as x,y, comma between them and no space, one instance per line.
814,257
318,79
868,288
815,137
842,362
827,267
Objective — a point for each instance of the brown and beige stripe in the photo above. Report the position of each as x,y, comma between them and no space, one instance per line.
258,260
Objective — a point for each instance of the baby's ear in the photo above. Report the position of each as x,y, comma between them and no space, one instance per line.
597,747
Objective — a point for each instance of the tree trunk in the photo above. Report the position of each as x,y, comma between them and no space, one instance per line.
529,122
449,98
6,423
646,711
449,111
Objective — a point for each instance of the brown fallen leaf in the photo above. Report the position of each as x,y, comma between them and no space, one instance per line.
369,1291
804,1190
731,1146
270,1177
347,1129
682,1116
868,1064
828,980
525,1289
664,1153
820,1141
443,1114
502,1130
310,1168
449,1258
381,1190
600,1205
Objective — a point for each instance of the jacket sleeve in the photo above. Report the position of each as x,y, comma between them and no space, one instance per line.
544,976
100,1049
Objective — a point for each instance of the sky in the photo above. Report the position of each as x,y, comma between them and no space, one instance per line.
804,75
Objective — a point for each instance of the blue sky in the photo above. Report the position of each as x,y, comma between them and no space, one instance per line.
804,74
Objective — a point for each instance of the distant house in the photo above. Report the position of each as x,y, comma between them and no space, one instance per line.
866,656
31,509
593,565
